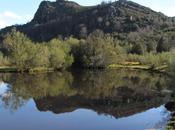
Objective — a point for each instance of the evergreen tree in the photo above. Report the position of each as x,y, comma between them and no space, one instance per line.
163,45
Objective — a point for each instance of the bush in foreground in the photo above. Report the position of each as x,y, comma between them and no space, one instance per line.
25,54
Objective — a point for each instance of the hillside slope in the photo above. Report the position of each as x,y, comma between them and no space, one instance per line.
65,18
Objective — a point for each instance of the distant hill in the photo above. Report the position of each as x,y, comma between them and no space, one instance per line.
66,18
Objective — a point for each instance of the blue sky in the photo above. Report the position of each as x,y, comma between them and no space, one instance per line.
22,11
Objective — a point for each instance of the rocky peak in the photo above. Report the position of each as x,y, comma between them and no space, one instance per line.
49,11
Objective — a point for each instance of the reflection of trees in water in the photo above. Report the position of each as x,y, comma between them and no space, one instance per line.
96,89
171,123
8,99
12,102
26,86
107,84
42,85
170,106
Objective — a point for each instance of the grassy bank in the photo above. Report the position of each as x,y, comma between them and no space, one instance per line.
8,69
137,65
4,69
126,65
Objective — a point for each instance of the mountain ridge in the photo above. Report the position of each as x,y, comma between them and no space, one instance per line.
67,18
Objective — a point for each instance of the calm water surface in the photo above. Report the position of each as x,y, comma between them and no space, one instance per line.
89,100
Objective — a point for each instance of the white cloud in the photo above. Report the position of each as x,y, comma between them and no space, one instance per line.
8,18
2,24
11,15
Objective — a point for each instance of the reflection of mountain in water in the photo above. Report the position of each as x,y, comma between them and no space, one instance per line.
125,103
115,92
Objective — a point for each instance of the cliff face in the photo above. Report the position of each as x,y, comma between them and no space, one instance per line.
51,11
67,18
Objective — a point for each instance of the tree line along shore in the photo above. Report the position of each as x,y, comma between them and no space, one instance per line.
18,53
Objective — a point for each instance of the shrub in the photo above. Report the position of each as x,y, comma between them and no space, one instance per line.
59,54
163,45
97,51
151,59
171,63
17,45
26,54
4,61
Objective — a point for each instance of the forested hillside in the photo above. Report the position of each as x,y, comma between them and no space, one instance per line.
113,34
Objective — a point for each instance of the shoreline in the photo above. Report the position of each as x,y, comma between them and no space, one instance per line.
159,69
7,69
